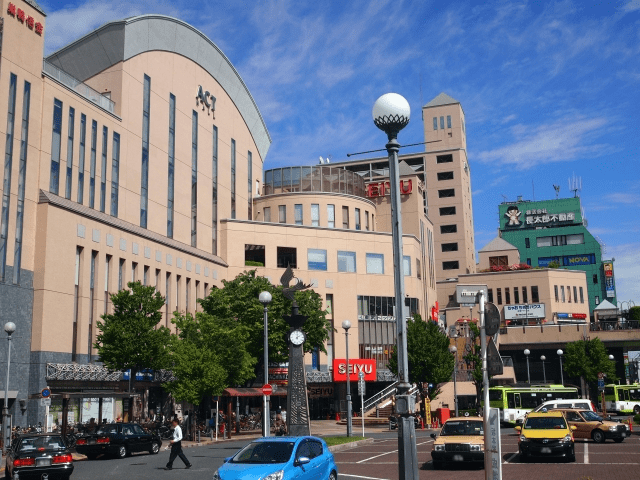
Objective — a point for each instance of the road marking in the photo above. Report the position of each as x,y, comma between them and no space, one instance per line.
387,453
360,476
586,453
510,458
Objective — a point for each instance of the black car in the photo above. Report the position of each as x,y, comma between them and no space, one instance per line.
118,439
39,455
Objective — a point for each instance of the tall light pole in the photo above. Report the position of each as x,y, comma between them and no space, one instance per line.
265,299
544,372
346,324
9,327
560,352
453,349
526,354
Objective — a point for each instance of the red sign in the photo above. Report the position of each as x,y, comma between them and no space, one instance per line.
356,365
279,375
23,17
581,316
434,314
384,188
267,389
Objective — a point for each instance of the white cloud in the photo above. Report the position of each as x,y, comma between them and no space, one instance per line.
631,6
622,197
626,270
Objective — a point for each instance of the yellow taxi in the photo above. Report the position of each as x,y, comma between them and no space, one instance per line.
546,434
461,439
591,425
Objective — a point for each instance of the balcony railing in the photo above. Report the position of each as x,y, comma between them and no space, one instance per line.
76,85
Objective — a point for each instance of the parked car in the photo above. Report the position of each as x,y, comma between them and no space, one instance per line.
546,434
280,458
591,425
39,455
461,440
580,403
118,439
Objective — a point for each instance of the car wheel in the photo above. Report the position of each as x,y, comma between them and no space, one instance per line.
122,451
598,436
332,476
636,409
155,448
618,440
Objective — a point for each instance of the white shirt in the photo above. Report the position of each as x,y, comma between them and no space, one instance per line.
177,434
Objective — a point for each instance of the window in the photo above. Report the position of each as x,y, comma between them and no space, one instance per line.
92,164
68,182
569,294
444,159
507,296
115,174
534,294
214,197
8,159
527,244
331,216
267,214
446,193
76,306
375,263
575,239
555,291
282,213
297,213
81,152
316,259
595,278
500,261
144,176
448,228
447,211
448,121
406,265
56,137
597,299
249,184
490,295
346,262
134,271
441,123
171,164
499,295
516,295
107,282
445,175
450,247
435,123
254,255
529,261
345,217
187,294
581,295
194,179
233,178
451,265
287,257
524,295
366,220
121,274
145,277
103,169
167,296
358,219
561,293
315,215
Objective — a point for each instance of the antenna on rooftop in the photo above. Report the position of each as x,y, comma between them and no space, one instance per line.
504,197
329,157
321,161
557,189
575,185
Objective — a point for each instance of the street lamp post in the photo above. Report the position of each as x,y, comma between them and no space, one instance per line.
526,354
454,350
391,113
9,327
560,353
544,372
265,299
346,324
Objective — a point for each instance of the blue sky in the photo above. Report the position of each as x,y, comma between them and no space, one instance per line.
549,89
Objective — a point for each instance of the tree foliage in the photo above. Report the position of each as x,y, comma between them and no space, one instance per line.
473,358
634,313
129,338
587,358
430,360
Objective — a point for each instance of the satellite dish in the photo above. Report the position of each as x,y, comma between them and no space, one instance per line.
321,160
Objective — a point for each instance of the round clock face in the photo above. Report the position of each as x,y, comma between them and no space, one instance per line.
297,337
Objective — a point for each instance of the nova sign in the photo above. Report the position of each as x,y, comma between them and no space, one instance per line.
356,365
384,188
208,101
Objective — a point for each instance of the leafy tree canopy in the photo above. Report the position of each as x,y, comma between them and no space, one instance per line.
634,313
587,358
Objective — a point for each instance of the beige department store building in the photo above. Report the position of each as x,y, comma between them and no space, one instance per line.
137,153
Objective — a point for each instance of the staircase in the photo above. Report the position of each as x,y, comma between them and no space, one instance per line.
383,400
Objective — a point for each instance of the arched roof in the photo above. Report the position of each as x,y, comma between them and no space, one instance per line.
124,39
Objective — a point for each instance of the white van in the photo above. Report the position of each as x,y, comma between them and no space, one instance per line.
581,403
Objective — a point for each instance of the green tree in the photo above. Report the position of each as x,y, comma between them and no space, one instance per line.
473,359
634,313
586,358
209,354
130,337
238,299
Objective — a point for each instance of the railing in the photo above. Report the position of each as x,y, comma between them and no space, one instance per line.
319,178
380,397
604,325
89,372
76,85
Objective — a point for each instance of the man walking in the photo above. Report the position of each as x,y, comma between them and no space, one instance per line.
176,446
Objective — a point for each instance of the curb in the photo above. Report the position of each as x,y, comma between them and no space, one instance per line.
347,446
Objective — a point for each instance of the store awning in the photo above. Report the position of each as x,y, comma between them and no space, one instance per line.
252,392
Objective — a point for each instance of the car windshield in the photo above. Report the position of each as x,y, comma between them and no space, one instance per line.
589,416
265,452
545,423
107,429
41,444
463,427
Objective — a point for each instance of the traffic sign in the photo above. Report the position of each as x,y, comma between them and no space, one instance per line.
491,319
267,389
600,384
494,361
45,402
362,387
45,392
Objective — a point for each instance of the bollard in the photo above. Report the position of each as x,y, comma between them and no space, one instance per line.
337,417
422,423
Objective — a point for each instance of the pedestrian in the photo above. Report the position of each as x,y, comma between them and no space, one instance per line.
176,446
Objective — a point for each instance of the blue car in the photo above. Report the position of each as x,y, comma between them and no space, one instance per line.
281,458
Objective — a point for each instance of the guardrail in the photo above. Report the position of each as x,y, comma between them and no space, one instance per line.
379,397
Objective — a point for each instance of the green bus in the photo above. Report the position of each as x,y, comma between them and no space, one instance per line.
514,401
622,398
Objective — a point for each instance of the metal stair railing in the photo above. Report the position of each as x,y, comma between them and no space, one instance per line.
371,402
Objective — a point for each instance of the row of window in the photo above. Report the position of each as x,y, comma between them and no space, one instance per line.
435,122
535,297
560,294
298,211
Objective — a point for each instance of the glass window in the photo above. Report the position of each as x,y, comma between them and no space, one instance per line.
595,278
81,152
562,293
435,123
214,186
249,185
103,169
346,261
406,265
448,228
282,212
543,241
92,165
575,239
375,263
441,123
569,294
507,296
516,295
524,295
115,174
597,299
287,257
527,244
297,212
345,217
144,177
366,220
555,291
534,294
448,121
447,211
358,219
449,247
444,159
171,164
233,179
194,179
68,182
528,261
499,295
56,138
317,259
254,255
581,295
447,192
315,215
331,216
267,214
451,265
445,175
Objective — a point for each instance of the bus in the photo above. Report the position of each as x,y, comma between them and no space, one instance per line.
516,400
622,398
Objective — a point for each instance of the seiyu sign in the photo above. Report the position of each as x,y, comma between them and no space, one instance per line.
469,293
533,310
356,365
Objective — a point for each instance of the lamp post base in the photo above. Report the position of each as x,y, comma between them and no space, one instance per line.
407,451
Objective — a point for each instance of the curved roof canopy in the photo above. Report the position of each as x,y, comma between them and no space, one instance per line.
124,39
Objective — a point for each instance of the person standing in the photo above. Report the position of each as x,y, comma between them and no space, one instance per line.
176,446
